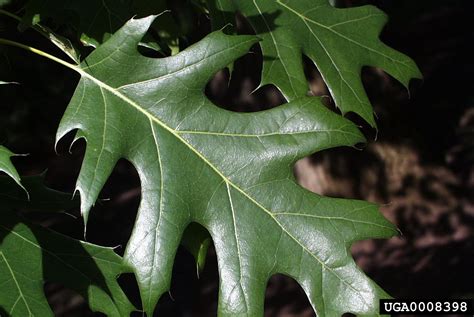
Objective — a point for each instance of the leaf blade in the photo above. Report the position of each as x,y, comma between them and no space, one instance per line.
229,172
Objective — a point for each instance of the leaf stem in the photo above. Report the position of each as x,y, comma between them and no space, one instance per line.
39,52
62,43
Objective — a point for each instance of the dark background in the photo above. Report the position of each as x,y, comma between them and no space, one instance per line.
419,168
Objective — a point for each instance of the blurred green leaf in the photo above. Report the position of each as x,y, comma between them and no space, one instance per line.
40,198
197,240
95,20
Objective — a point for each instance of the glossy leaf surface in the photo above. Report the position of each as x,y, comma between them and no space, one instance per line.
229,172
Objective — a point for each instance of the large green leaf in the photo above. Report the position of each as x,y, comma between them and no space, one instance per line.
30,255
339,42
229,172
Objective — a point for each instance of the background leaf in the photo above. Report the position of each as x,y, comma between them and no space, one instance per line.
339,42
196,240
6,165
40,198
95,21
30,255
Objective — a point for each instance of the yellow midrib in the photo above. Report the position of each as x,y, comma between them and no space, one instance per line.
176,134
